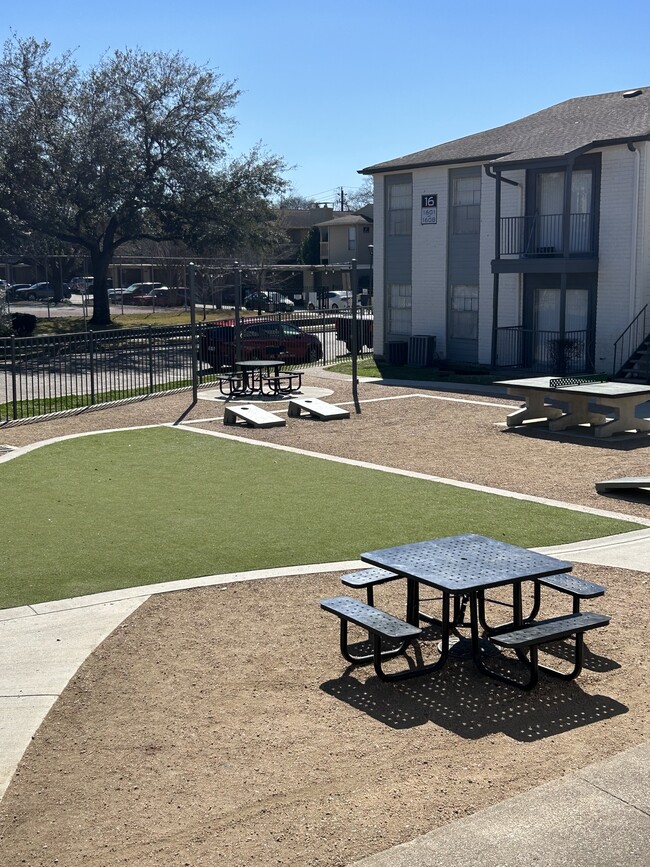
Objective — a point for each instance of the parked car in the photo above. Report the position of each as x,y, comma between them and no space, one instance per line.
40,292
164,297
331,300
11,290
268,301
84,285
281,340
81,285
135,290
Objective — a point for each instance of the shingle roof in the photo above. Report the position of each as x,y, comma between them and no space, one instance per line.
579,123
346,219
303,218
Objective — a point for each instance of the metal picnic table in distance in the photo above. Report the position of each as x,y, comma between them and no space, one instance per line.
581,403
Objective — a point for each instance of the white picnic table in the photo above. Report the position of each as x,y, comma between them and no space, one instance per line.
583,403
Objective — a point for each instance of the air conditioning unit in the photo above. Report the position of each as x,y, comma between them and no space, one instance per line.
422,350
397,351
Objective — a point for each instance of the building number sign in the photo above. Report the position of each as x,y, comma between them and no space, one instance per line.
429,209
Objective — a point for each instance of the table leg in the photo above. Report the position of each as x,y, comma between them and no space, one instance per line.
534,408
578,413
478,657
625,417
422,669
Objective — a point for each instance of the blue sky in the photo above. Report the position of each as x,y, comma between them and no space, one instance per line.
338,85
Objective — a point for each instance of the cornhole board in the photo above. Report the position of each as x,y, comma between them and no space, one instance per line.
252,415
316,408
622,484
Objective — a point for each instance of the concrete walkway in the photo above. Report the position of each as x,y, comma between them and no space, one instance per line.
596,817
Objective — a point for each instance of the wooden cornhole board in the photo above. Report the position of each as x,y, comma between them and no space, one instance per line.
623,484
316,408
253,415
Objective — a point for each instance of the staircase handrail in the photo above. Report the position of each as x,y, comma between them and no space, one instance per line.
638,324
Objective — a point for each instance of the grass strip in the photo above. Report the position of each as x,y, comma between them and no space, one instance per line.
139,507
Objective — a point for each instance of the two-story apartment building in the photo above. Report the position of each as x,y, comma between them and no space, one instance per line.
527,245
347,236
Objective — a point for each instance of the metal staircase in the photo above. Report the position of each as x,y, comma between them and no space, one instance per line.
632,351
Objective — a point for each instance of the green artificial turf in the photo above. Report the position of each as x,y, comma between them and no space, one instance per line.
138,507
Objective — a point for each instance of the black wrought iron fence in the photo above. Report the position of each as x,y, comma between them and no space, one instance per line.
544,351
55,373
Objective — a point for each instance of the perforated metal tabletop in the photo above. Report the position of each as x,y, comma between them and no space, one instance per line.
461,564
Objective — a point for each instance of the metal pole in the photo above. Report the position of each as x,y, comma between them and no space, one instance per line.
354,335
195,372
237,312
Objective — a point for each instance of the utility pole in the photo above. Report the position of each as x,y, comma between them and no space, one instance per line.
342,200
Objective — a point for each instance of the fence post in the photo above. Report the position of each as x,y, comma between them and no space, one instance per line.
193,341
91,362
14,398
150,344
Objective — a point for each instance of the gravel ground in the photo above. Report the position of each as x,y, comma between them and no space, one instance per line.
220,726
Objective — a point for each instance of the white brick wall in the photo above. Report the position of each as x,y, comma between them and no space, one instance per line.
615,305
430,257
378,270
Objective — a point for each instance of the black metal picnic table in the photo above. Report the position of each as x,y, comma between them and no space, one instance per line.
463,567
250,376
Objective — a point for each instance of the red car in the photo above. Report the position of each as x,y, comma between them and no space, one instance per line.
280,340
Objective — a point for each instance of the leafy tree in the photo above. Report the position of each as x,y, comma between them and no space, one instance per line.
309,253
133,148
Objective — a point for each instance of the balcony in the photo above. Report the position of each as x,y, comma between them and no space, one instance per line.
543,235
547,352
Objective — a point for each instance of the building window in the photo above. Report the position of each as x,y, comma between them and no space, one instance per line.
352,238
466,205
464,313
399,308
400,209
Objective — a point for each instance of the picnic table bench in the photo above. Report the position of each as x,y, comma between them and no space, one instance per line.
284,382
530,636
380,625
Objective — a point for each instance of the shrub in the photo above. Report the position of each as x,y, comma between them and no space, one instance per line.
23,324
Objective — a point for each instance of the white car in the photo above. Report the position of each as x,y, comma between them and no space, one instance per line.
332,300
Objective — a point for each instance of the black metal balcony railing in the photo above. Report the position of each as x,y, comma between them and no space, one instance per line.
543,235
631,339
544,351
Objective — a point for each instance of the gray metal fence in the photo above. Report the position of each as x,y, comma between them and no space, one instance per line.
61,372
